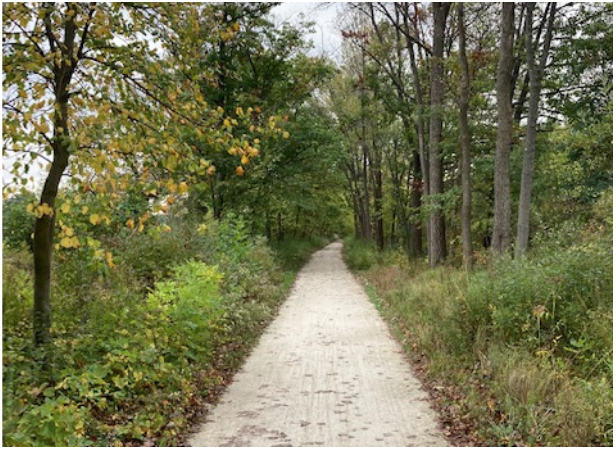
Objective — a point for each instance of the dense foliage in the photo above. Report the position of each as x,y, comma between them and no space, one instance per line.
136,352
525,347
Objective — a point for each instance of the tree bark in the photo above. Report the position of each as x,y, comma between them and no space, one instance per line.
535,76
61,144
378,200
502,194
366,222
437,244
416,191
421,133
465,140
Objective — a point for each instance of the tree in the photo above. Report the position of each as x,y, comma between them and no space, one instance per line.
85,90
465,142
437,242
252,62
535,78
502,194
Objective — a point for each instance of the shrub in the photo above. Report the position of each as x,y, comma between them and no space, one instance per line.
523,347
17,222
546,304
359,255
293,253
17,286
126,361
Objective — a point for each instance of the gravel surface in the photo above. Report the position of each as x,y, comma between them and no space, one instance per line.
325,373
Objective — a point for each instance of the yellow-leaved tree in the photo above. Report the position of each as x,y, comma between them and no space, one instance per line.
105,93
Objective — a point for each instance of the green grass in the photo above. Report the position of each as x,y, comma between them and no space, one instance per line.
523,347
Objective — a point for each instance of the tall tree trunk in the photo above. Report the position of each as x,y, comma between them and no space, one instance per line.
524,90
392,237
421,133
377,189
366,223
44,233
280,234
366,217
502,194
378,209
535,75
465,140
416,191
437,242
60,143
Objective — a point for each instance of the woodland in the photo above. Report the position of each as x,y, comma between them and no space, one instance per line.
169,167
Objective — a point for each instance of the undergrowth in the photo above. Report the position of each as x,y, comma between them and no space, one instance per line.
523,347
138,348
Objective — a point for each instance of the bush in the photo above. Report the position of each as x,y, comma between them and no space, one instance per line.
17,286
133,352
17,222
523,347
558,303
359,255
293,253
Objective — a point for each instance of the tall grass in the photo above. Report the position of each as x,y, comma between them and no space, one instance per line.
528,343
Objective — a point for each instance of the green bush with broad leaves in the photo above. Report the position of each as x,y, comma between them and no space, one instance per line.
136,347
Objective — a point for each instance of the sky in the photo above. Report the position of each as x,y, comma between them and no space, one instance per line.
326,38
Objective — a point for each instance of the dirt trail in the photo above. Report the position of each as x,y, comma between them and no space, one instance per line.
325,373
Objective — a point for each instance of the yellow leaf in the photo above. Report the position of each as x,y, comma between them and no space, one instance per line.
44,210
43,127
245,160
30,208
182,188
285,135
130,223
239,171
211,170
166,228
84,210
66,208
65,242
170,200
68,232
109,259
95,219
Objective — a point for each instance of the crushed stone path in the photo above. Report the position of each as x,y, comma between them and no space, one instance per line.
325,373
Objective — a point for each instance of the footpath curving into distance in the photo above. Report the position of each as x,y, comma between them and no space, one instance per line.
325,373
